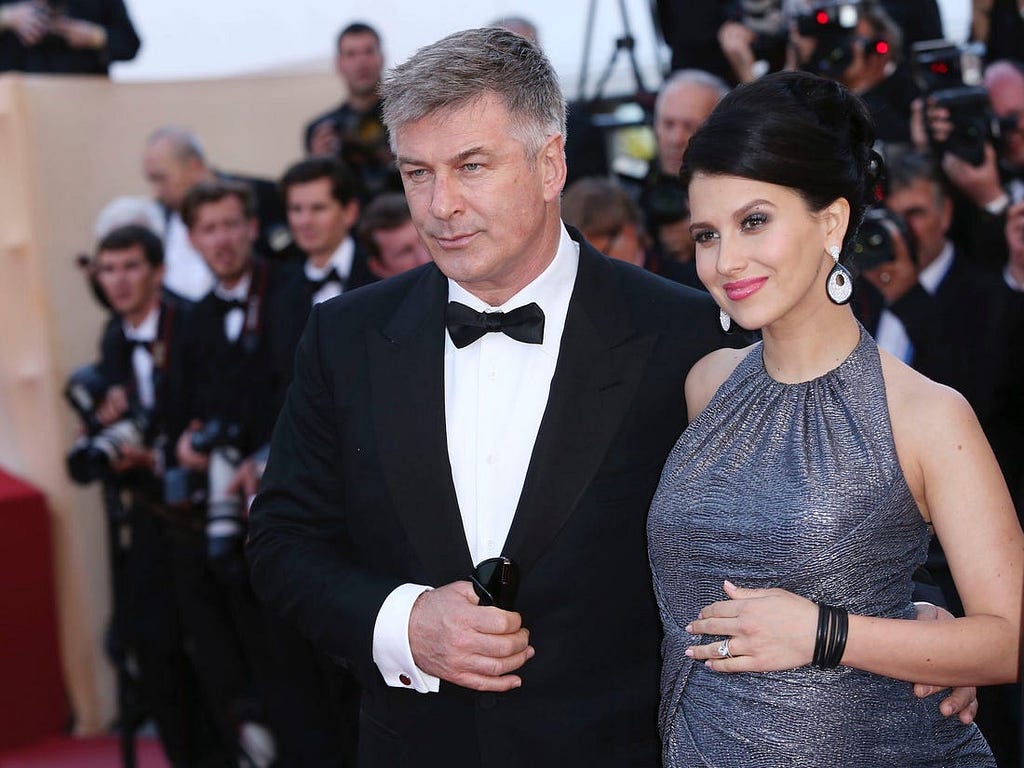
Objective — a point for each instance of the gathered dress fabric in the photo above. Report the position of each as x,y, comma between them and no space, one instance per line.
795,486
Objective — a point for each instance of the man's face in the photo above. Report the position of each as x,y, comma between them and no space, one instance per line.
681,111
927,216
487,214
224,236
130,283
317,220
359,62
399,250
1006,92
169,176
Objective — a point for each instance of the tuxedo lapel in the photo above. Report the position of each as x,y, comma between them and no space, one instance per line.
407,398
600,363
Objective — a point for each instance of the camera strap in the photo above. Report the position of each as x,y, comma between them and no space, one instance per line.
254,305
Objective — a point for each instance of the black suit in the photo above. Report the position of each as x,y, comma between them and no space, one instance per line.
358,498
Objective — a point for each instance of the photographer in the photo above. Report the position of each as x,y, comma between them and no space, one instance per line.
132,387
65,36
230,398
993,180
859,45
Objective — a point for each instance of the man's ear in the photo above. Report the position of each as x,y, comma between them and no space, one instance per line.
552,163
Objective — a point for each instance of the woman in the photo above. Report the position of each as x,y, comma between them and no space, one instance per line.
810,476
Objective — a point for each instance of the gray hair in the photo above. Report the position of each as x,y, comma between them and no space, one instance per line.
695,77
465,66
186,145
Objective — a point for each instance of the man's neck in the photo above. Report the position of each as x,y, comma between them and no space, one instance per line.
138,317
362,102
229,284
320,259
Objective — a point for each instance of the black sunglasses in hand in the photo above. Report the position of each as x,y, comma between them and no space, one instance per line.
496,582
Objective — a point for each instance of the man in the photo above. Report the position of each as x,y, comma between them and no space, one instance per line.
174,162
607,217
141,359
320,199
386,231
73,37
683,104
230,396
861,47
405,453
353,131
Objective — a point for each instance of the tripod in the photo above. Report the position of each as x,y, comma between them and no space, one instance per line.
625,43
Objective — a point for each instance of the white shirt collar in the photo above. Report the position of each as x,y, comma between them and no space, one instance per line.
146,330
931,276
551,290
341,260
240,291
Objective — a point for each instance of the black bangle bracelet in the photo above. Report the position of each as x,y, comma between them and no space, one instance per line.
819,639
831,644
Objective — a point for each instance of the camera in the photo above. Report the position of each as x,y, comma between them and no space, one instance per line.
225,523
92,457
833,25
874,243
951,74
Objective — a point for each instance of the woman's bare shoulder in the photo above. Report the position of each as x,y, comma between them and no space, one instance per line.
708,374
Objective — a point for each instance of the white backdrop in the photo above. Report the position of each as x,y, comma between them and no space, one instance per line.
188,39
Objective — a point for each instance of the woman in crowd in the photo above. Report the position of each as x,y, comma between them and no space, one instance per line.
794,510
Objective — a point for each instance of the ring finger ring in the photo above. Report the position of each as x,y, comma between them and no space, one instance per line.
723,649
885,277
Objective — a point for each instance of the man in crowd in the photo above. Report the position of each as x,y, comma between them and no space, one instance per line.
515,399
684,102
389,236
230,396
141,361
174,162
353,131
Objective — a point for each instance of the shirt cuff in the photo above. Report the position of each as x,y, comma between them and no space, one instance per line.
391,651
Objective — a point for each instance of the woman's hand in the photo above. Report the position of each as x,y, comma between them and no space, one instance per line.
767,630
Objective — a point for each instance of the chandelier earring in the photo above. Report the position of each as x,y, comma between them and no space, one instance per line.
724,320
839,285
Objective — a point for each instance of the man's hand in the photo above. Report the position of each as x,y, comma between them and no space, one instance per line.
979,182
324,140
29,20
961,701
188,458
114,405
1015,239
135,457
80,33
456,639
246,481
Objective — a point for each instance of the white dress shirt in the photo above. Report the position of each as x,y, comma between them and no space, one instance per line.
496,390
234,319
341,262
185,271
891,335
142,359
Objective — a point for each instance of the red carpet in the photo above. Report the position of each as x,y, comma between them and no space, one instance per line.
67,752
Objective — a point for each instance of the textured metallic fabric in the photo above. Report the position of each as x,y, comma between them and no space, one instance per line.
794,486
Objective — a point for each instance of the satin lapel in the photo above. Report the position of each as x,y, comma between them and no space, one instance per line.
600,363
407,398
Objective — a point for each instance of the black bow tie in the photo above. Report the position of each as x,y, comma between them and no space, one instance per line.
134,344
332,276
466,325
224,306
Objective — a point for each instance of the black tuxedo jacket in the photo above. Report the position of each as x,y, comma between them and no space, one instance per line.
358,498
293,302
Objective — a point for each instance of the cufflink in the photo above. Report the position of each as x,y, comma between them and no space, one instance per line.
404,680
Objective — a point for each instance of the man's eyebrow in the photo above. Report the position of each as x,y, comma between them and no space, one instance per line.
456,159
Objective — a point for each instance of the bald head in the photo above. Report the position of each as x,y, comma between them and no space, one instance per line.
684,103
173,163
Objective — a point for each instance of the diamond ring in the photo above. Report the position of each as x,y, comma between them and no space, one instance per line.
723,649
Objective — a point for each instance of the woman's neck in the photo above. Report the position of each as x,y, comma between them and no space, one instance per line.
803,350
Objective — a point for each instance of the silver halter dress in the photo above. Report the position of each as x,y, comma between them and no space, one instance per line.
795,486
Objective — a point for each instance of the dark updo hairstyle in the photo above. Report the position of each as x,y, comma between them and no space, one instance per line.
797,130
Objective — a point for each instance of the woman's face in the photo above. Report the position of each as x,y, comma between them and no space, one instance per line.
760,251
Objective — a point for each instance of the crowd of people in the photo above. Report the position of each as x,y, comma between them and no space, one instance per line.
318,489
